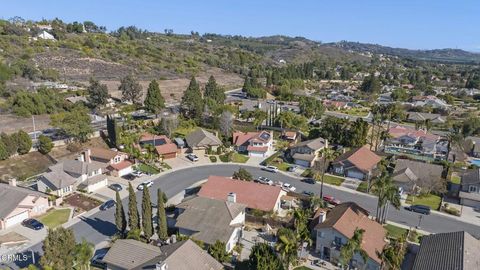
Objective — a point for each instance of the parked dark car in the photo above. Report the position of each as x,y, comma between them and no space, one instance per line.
422,209
129,177
97,259
308,193
309,180
116,187
32,224
107,205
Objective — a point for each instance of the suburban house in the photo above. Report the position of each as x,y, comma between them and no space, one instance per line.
475,143
164,147
430,101
445,251
209,220
126,254
333,228
19,204
202,139
63,178
290,136
307,152
253,195
470,188
411,176
116,162
419,117
358,163
256,144
417,144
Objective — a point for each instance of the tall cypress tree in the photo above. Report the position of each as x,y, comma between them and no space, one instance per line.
213,91
120,219
147,224
162,217
154,102
133,220
192,102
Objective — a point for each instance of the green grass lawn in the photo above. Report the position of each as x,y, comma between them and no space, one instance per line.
333,180
239,158
55,217
283,166
147,168
396,232
429,199
362,187
455,179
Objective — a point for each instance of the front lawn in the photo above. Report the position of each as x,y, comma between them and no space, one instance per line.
147,168
362,187
55,217
283,166
333,180
239,158
396,232
302,268
428,199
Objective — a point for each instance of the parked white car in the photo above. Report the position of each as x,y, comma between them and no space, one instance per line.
272,169
264,180
145,184
192,157
287,187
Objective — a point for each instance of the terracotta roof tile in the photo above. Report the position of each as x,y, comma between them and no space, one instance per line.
362,158
122,165
166,148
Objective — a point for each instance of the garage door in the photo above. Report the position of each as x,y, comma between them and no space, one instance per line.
302,163
355,174
16,219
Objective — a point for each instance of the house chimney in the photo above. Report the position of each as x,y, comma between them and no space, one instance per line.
232,197
322,216
162,265
87,156
12,182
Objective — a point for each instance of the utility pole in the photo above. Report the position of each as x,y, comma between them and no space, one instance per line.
34,131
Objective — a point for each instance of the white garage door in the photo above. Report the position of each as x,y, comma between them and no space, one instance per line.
355,174
302,163
125,171
16,219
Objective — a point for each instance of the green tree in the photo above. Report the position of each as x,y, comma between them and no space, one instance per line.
242,174
387,193
264,257
3,151
393,253
120,219
162,230
24,142
287,246
218,251
9,142
192,102
45,144
58,249
214,91
134,234
353,246
327,155
154,102
147,222
97,93
371,85
131,89
311,107
75,123
133,219
83,253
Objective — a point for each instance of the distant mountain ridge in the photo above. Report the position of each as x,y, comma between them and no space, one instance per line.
448,55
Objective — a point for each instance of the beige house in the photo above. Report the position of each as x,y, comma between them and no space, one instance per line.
116,162
18,204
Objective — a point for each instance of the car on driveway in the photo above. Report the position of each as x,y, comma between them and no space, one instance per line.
192,157
264,180
331,200
145,184
292,168
271,169
418,208
107,205
115,187
138,173
288,187
129,177
309,180
32,224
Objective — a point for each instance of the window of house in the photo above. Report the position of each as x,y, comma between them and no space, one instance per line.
321,234
472,189
338,241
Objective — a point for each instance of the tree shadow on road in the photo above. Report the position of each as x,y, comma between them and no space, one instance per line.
106,228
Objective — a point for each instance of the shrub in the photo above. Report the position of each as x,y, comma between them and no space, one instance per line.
213,159
45,144
452,211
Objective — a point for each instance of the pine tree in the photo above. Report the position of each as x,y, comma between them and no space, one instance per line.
213,91
45,144
147,224
246,85
154,102
24,142
97,93
120,219
131,89
58,249
161,215
192,102
133,220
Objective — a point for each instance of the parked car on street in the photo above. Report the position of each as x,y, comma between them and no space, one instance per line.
33,224
138,173
272,169
264,180
145,184
309,180
292,168
192,157
288,187
331,200
308,193
418,208
107,205
115,187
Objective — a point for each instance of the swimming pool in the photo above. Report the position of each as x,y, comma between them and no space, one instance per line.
475,162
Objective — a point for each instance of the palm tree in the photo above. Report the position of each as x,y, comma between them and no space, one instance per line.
287,246
387,193
301,224
328,155
353,245
83,254
393,253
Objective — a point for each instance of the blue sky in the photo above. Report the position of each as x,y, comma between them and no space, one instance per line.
420,24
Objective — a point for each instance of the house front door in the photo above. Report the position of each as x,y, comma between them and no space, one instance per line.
326,253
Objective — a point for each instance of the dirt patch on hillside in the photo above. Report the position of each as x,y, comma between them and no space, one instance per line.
24,166
10,123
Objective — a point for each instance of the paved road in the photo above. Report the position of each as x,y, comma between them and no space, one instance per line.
100,226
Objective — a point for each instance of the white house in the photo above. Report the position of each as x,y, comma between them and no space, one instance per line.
256,144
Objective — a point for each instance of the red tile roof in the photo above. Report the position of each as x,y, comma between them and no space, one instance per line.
166,148
400,131
362,158
254,195
240,138
257,148
122,165
150,137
